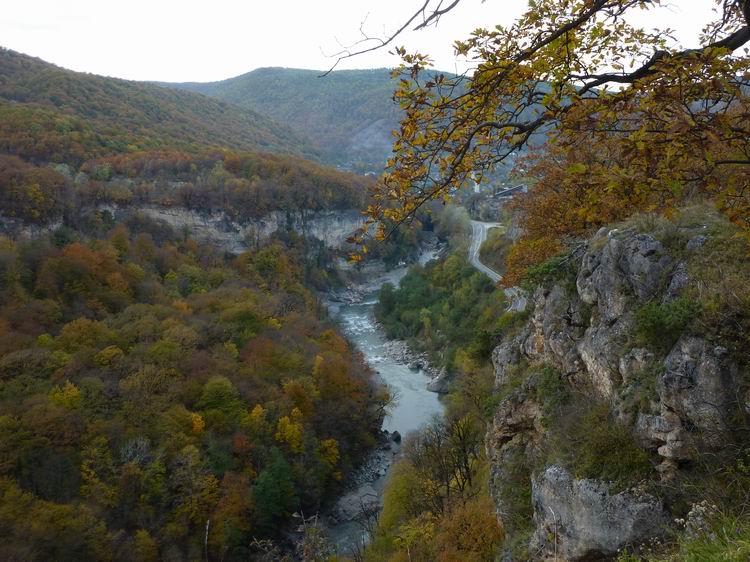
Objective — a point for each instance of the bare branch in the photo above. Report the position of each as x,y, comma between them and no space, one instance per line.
427,19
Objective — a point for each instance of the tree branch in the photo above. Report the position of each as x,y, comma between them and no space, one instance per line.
427,20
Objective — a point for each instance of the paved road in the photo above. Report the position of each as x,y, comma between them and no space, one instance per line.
478,236
516,296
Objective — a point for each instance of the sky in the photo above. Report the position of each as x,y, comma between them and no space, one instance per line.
205,40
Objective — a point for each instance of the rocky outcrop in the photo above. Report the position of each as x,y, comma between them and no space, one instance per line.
217,228
694,394
331,227
512,436
508,354
585,331
583,520
558,322
620,267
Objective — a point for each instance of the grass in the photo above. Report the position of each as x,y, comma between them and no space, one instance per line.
726,539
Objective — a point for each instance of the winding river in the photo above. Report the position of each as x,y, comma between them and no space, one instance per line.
415,404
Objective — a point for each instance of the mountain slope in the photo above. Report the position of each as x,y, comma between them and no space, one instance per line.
138,114
349,114
70,141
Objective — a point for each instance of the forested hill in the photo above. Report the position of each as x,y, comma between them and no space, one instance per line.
349,114
70,140
139,115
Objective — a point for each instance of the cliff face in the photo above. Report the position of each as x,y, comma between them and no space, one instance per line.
671,399
331,227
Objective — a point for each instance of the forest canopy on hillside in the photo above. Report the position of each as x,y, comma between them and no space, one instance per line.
71,140
149,385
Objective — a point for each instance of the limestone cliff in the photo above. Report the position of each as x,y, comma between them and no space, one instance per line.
227,234
671,396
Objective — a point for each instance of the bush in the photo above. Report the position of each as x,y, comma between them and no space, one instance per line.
594,445
659,325
552,392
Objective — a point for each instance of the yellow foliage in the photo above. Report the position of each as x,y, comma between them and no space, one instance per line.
108,355
180,305
317,366
199,424
329,451
289,430
68,396
470,532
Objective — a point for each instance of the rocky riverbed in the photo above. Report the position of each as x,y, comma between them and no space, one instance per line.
408,375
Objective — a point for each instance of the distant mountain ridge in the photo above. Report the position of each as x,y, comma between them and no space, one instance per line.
348,115
144,114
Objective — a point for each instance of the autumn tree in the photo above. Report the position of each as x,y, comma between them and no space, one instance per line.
630,120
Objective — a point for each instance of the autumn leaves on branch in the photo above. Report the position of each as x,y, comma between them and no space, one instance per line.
604,118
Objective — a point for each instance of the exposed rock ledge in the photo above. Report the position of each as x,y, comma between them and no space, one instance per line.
331,227
582,520
584,331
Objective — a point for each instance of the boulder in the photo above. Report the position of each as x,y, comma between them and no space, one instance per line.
677,283
440,383
355,504
581,519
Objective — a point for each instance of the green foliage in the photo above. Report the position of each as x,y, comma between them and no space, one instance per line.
333,113
722,538
72,140
592,444
134,408
552,392
555,268
720,281
274,492
659,325
727,539
120,115
444,308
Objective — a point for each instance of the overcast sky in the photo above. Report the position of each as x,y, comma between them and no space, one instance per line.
204,40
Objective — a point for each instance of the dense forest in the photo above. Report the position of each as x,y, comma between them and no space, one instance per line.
134,115
152,391
437,504
71,140
159,399
448,309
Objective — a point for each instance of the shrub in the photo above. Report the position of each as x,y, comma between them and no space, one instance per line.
592,444
606,449
726,539
659,325
552,392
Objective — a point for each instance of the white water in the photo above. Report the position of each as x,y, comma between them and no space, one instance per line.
415,405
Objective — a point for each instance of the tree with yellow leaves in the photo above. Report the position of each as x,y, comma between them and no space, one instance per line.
631,120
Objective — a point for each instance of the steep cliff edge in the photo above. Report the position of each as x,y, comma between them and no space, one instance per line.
624,393
218,228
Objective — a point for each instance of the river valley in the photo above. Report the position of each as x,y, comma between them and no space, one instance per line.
414,407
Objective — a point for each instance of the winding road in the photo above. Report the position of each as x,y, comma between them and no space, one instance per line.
516,296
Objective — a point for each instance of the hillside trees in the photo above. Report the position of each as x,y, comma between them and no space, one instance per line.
632,122
149,385
71,141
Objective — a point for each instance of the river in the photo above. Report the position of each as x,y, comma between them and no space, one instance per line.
415,404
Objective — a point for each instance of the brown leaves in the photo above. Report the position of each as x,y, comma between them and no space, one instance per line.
634,124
